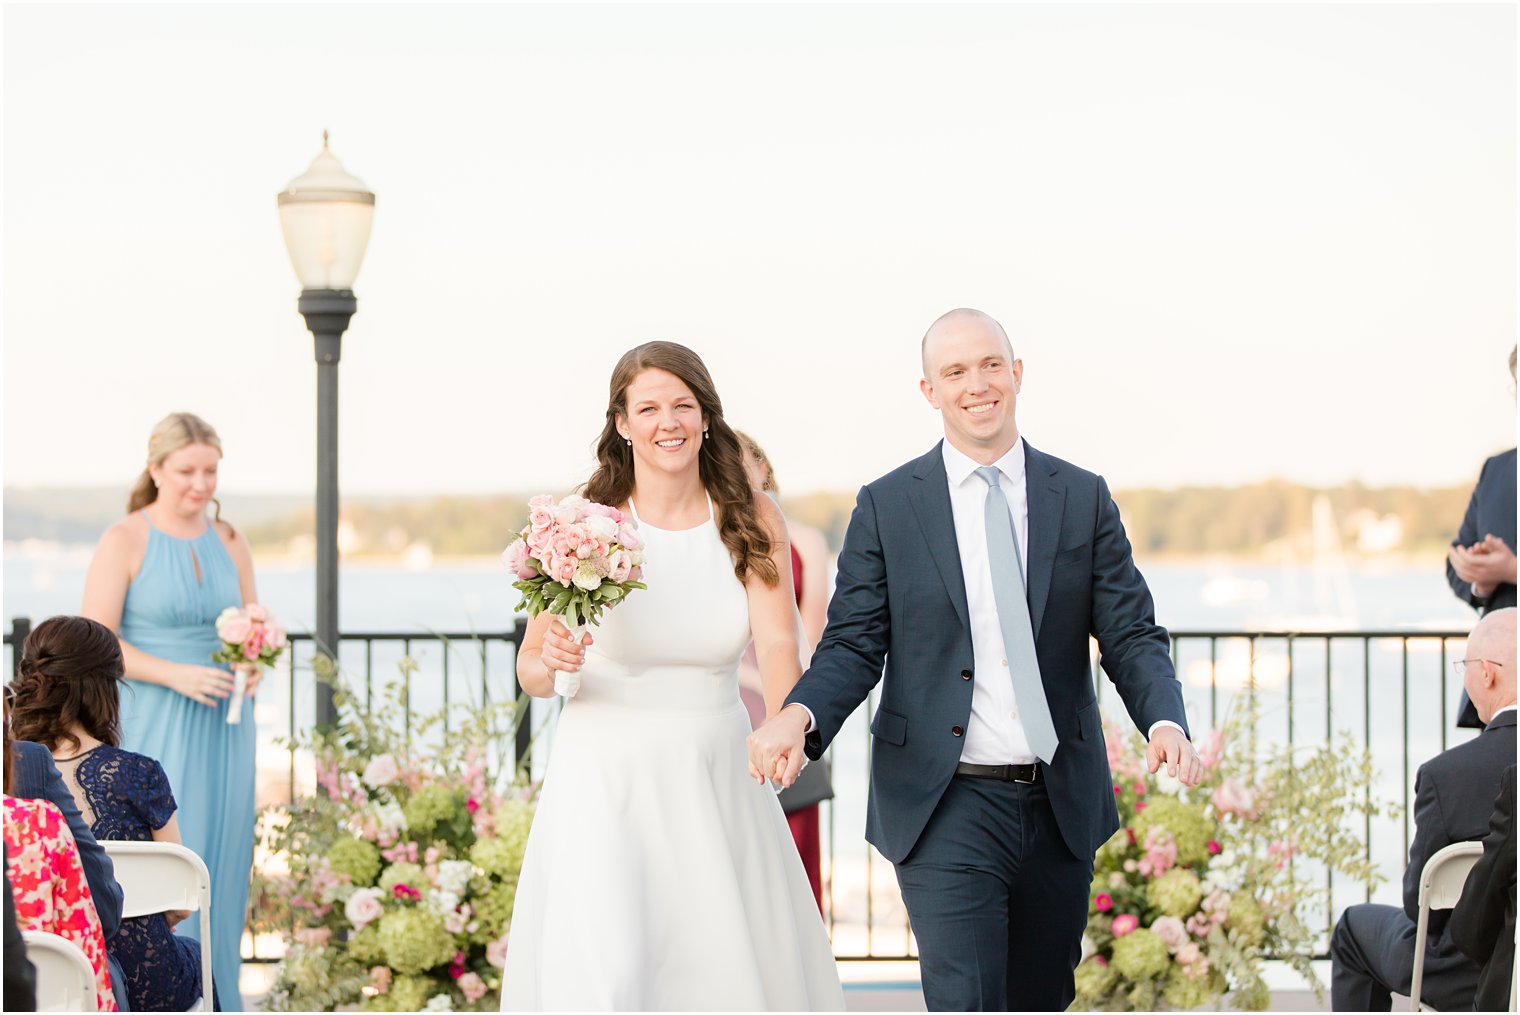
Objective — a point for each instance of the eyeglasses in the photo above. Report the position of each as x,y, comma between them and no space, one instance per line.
1459,666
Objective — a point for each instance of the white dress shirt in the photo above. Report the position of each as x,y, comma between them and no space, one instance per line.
994,733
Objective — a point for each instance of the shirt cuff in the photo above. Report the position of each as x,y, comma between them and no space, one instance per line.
1165,722
811,723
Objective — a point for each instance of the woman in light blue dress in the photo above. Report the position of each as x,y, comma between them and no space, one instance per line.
159,578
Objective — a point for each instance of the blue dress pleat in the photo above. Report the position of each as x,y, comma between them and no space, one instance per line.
171,613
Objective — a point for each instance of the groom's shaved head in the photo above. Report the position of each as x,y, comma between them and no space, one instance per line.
960,317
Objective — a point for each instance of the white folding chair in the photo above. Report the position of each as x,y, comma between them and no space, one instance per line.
65,978
158,876
1440,887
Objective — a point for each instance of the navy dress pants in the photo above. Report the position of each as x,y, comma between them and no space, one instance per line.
997,901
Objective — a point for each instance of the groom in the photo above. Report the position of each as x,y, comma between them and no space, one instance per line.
990,788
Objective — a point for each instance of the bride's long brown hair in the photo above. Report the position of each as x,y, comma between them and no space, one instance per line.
720,458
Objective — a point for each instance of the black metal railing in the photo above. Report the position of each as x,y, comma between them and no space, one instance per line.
1390,691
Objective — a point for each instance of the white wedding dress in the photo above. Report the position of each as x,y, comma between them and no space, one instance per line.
658,876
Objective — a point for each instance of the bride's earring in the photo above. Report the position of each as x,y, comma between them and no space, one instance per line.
628,439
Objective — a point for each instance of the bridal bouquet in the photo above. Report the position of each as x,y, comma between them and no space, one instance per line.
574,558
1201,884
249,636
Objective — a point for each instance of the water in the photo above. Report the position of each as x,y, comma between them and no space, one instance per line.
1390,698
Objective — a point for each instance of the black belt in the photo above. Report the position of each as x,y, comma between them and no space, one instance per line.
1008,773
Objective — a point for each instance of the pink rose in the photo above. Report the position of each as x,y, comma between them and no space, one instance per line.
496,952
472,986
542,500
540,519
1214,847
314,937
629,536
515,557
1233,798
256,612
636,573
1124,924
565,513
1171,932
619,566
1103,902
562,570
235,630
381,771
363,907
1140,789
575,536
274,636
251,648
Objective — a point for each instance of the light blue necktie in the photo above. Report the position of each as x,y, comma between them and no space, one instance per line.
1013,616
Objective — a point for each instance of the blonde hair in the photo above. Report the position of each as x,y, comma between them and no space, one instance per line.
176,430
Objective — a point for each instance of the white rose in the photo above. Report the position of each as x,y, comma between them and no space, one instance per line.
381,771
454,875
389,815
602,527
442,902
439,1002
363,907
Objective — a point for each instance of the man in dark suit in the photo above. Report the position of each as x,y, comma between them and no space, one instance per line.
37,778
1480,566
1483,923
990,788
1372,949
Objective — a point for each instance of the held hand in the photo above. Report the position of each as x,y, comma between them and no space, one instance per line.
253,674
174,916
1170,747
559,652
205,684
776,748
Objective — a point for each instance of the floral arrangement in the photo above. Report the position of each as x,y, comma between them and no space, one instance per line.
1200,884
401,870
249,637
574,558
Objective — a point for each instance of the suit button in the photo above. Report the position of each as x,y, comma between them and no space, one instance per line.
956,731
965,674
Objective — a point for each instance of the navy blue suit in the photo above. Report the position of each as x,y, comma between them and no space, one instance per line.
37,778
1490,510
900,602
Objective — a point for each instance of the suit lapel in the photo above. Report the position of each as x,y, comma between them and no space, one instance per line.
930,498
1047,501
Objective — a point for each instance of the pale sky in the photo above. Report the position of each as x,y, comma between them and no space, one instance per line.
1229,242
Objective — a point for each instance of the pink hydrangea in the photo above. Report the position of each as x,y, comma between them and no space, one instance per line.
472,986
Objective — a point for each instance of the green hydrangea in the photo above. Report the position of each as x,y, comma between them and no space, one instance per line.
493,911
1140,955
415,940
407,993
309,969
1184,994
1094,981
359,859
1190,827
365,946
409,874
431,806
513,820
497,858
1176,893
1244,918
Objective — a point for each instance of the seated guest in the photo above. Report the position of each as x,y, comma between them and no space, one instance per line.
47,880
1483,924
36,778
1372,949
66,698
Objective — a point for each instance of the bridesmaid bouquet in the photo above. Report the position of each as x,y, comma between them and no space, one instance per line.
249,636
574,558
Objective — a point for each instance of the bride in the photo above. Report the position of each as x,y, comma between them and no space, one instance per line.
658,875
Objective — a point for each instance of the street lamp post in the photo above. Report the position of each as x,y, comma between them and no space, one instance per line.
325,214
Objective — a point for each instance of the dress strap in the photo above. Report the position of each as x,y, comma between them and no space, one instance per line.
634,511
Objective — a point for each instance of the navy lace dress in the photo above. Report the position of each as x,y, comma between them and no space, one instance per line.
126,797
